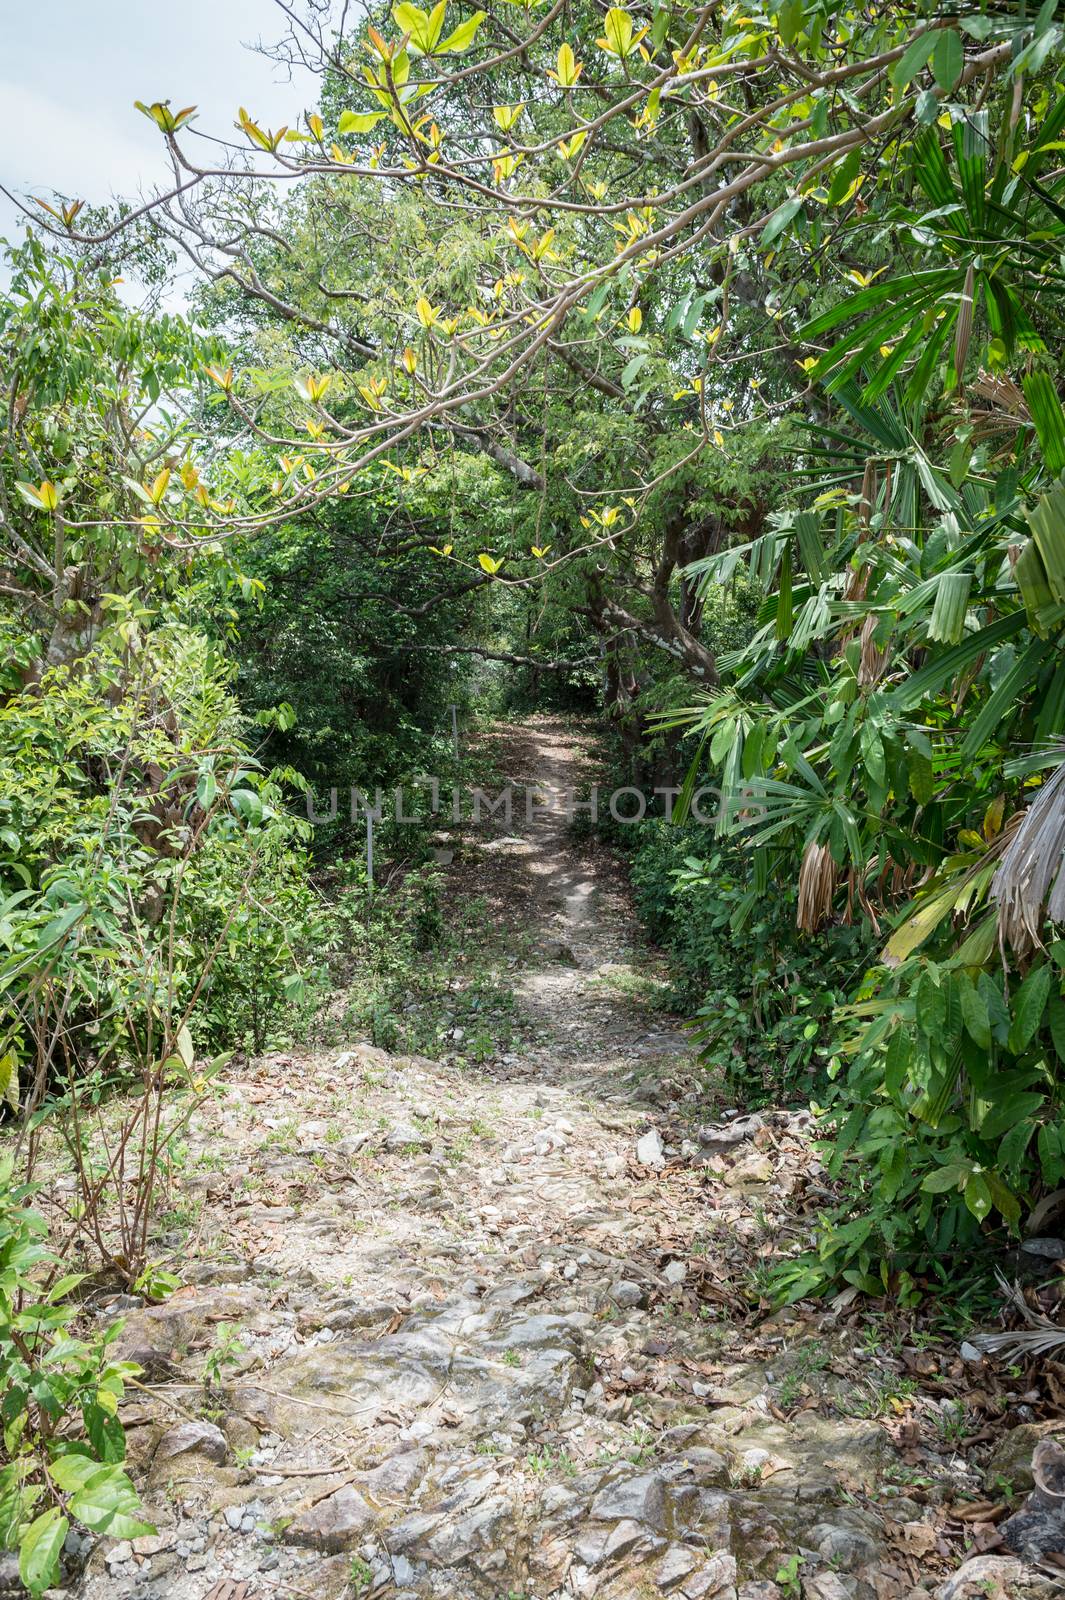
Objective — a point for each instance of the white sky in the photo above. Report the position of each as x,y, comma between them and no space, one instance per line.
70,71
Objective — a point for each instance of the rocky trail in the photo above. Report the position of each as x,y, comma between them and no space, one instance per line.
495,1332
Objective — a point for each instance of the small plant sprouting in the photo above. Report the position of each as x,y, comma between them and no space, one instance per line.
225,1352
788,1576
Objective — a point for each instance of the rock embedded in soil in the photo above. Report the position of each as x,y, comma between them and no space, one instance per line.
333,1524
1010,1461
626,1294
650,1151
193,1438
993,1577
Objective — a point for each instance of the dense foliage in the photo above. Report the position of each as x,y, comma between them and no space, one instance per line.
697,363
761,995
52,1381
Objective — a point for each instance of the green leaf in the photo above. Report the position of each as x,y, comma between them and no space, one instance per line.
206,788
413,20
1014,1144
1005,1200
1029,1004
1048,1144
39,1548
951,1176
56,930
843,178
917,926
1045,407
1015,1110
790,20
73,1471
915,56
779,220
947,622
811,545
921,776
997,712
633,369
948,59
977,1194
107,1503
106,1434
9,1084
359,121
1056,1021
246,803
185,1047
463,35
974,1014
930,1006
947,665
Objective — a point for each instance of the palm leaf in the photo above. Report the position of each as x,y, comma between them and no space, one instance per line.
939,671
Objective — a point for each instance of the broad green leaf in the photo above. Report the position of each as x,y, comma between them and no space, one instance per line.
73,1471
1028,1005
843,178
462,37
107,1503
947,622
39,1550
1004,1199
1056,1022
912,933
1045,407
916,55
1014,1144
9,1083
359,121
948,59
974,1014
60,926
185,1048
952,1176
978,1196
779,220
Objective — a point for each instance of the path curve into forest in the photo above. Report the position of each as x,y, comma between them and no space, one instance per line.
488,1344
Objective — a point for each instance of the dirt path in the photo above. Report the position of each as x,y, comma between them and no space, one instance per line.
489,1341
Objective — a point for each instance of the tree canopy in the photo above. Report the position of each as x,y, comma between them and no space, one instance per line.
715,347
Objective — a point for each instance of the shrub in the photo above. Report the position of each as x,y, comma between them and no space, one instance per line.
761,994
149,869
155,905
62,1438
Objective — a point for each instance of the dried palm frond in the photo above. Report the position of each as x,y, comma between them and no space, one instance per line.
873,660
817,884
1003,393
857,583
1029,885
964,326
867,501
1040,1337
1021,1342
1006,411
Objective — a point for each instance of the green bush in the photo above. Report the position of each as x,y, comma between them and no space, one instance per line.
365,687
63,1441
760,993
149,872
947,1113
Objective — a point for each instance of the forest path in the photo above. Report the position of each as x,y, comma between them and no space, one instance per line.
491,1342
